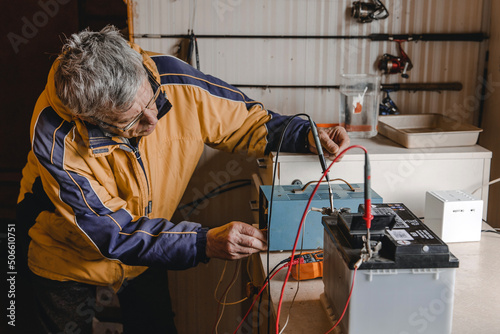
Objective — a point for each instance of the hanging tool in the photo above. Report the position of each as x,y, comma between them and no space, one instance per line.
390,64
189,43
366,12
193,47
186,48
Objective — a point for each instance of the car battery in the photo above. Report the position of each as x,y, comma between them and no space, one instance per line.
288,205
407,286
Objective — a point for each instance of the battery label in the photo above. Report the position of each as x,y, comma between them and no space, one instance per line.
424,234
400,235
400,223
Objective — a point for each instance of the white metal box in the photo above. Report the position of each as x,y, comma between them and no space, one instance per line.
454,215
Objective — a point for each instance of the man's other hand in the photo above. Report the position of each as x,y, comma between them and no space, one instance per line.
234,241
333,140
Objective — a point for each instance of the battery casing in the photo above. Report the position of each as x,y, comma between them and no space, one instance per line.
407,288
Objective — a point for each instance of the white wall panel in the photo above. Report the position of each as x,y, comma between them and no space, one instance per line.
320,61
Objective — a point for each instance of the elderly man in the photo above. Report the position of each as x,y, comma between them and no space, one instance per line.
116,136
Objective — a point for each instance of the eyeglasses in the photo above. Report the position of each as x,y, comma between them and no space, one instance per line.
139,116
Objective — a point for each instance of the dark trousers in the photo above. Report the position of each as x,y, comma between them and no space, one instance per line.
69,307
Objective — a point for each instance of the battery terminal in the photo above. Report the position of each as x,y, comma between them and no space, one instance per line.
370,248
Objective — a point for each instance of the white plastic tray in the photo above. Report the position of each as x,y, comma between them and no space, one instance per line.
427,130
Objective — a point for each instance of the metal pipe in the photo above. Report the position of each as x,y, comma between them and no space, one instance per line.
455,37
432,86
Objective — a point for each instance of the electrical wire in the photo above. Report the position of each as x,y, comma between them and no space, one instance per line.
220,281
271,209
286,323
337,179
303,218
367,213
259,294
237,270
192,17
224,295
489,184
347,302
230,303
491,231
235,303
265,283
298,279
217,318
214,192
249,260
495,229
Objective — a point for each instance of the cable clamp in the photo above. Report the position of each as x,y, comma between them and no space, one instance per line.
326,211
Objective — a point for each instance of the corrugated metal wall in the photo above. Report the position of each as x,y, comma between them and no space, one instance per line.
315,61
321,61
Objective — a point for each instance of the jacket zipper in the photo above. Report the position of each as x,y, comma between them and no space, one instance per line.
137,154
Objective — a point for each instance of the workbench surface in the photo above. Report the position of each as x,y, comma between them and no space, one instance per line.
477,291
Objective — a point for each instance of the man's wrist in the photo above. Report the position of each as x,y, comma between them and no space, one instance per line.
201,245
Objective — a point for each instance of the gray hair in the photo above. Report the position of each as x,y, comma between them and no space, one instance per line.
99,73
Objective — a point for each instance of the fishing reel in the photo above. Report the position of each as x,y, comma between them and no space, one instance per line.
388,106
366,12
390,64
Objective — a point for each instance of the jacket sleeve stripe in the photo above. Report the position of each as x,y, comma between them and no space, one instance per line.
54,142
156,235
115,222
49,148
83,196
114,234
176,72
47,136
240,97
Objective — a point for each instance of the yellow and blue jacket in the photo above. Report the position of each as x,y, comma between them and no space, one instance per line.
98,208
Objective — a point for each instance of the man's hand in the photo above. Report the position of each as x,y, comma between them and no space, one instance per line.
234,241
333,140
